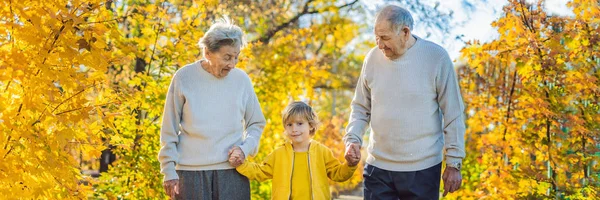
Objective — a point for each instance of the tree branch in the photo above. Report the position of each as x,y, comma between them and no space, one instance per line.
3,157
158,26
527,21
61,103
265,38
108,20
327,87
269,34
512,90
7,85
52,45
12,26
11,147
75,109
8,140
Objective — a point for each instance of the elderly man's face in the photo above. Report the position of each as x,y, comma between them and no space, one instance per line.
223,60
392,44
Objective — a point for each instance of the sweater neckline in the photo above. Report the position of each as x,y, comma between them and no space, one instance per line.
409,50
204,73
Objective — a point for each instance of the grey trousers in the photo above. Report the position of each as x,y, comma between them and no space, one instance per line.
225,184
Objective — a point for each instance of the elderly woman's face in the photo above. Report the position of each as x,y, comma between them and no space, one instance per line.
223,60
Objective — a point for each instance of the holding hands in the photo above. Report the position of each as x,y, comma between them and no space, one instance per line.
171,188
352,154
236,156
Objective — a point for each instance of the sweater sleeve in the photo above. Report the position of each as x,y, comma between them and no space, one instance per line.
360,115
256,171
452,107
337,171
169,132
254,123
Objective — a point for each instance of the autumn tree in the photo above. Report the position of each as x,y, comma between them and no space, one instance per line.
53,64
79,76
532,101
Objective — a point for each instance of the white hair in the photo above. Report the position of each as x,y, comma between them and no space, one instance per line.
222,32
397,16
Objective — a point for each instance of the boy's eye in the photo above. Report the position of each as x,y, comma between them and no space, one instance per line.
299,123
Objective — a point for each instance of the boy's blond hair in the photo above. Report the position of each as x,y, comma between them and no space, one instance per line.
301,110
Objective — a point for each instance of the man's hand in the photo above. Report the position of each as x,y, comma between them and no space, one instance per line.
452,180
171,188
352,154
236,156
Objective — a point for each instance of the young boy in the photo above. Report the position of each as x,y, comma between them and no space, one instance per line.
300,167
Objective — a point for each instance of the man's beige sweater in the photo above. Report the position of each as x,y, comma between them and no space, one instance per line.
414,107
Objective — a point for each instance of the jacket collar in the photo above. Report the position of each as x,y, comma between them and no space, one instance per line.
290,148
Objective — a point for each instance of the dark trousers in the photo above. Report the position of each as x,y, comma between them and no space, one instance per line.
383,184
225,184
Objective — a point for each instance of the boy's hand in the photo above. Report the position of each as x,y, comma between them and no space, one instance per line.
236,156
352,154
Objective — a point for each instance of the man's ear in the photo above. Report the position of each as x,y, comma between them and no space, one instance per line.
406,31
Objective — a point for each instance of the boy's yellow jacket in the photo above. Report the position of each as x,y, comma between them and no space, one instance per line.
278,166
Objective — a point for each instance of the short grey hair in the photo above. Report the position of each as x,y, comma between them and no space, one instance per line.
397,16
222,32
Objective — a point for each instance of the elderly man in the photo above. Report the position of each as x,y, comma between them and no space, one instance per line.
408,92
210,108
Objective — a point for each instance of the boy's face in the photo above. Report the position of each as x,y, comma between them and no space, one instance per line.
298,130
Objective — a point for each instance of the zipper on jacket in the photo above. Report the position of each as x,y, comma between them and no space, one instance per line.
292,174
312,191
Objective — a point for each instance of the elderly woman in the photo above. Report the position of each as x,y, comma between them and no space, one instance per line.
210,108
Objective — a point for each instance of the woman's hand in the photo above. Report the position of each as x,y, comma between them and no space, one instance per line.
236,156
171,187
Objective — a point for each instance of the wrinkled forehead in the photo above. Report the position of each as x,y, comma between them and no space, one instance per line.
382,27
230,49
